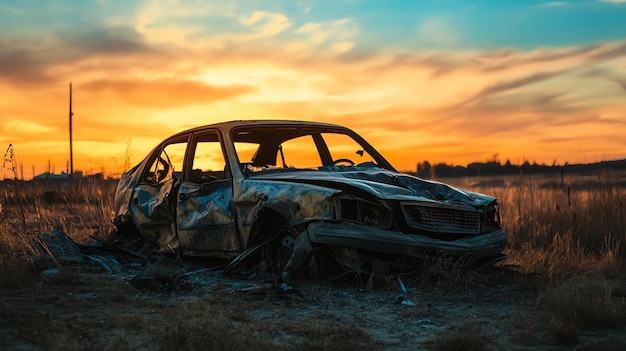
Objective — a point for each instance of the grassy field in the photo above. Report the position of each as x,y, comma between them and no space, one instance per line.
560,224
565,260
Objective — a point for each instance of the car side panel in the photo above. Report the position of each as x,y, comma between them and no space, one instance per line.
152,213
296,203
205,219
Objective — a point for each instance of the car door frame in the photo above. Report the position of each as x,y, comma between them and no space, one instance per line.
205,212
152,202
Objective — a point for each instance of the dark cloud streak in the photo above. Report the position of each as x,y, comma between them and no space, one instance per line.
25,61
22,62
619,51
512,84
111,40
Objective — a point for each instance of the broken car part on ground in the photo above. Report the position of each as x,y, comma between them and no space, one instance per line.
296,197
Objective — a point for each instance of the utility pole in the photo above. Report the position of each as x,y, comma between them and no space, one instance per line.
71,170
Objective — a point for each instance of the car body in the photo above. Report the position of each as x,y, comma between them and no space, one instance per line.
236,188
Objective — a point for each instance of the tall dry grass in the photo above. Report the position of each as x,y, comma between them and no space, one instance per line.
573,225
560,223
554,223
571,229
82,209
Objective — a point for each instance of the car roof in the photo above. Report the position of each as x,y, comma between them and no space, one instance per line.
227,126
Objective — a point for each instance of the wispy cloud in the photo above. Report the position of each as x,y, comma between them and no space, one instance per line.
10,9
266,24
555,4
437,32
25,127
159,94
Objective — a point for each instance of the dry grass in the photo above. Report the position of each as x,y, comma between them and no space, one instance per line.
561,225
465,339
442,272
571,231
227,324
82,210
586,301
555,225
201,325
522,329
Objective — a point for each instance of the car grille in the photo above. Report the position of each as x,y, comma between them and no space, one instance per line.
442,220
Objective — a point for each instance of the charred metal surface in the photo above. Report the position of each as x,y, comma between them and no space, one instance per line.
327,206
389,242
302,253
385,184
299,203
205,218
123,195
65,252
152,215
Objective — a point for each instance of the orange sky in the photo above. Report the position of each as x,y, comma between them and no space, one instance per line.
142,74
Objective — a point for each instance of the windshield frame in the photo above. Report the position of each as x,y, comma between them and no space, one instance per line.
269,139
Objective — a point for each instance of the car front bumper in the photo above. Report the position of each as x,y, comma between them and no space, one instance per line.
409,245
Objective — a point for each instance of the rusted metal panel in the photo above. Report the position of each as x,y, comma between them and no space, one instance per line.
390,242
298,203
123,195
214,241
205,218
152,213
384,184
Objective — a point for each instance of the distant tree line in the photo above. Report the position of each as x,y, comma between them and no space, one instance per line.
494,167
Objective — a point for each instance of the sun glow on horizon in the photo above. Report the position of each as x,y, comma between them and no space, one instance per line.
144,71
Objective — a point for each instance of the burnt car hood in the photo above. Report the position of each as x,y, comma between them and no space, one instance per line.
382,184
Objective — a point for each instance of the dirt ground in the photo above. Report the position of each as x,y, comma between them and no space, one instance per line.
189,304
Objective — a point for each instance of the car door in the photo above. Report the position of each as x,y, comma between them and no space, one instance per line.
154,197
205,211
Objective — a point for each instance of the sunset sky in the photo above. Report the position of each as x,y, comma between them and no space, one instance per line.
442,80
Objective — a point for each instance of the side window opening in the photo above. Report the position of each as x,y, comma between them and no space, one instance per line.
246,153
208,163
168,164
160,170
300,152
343,147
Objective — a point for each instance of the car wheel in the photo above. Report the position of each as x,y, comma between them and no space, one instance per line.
280,250
285,249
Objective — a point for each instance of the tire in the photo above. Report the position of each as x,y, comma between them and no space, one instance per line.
279,251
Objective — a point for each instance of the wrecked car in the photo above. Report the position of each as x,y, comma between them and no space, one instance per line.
298,196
